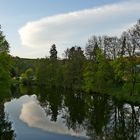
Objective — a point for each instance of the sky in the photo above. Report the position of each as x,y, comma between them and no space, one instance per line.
32,26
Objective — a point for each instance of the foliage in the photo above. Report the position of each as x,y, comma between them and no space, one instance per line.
98,74
53,52
74,68
5,62
27,77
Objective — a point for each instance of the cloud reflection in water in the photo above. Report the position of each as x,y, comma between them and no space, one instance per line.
34,116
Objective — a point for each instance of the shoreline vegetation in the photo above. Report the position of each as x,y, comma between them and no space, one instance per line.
107,65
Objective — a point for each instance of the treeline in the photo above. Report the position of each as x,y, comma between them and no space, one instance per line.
107,65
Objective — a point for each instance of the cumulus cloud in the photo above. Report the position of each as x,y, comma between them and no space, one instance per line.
68,29
33,115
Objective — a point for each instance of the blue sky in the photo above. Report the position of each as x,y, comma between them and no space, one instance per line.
31,26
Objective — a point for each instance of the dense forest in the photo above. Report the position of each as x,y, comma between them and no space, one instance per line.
107,65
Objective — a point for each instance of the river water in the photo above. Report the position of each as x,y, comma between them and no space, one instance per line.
50,114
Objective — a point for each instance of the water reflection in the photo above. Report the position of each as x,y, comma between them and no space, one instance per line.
28,116
34,116
99,116
6,131
73,114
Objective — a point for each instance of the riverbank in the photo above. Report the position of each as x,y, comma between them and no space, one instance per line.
122,94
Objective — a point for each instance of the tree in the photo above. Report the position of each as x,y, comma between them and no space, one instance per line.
5,62
6,132
132,43
4,45
92,46
98,75
53,52
74,68
111,47
41,71
27,77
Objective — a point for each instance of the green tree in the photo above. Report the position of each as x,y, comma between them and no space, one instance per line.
74,68
53,52
89,72
6,132
27,77
98,74
5,62
41,71
93,44
132,37
4,45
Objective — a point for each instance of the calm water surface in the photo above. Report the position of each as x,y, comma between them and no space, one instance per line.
57,115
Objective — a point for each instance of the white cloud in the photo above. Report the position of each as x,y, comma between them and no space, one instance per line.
66,30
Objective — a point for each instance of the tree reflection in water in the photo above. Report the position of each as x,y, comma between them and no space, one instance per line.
99,116
6,131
